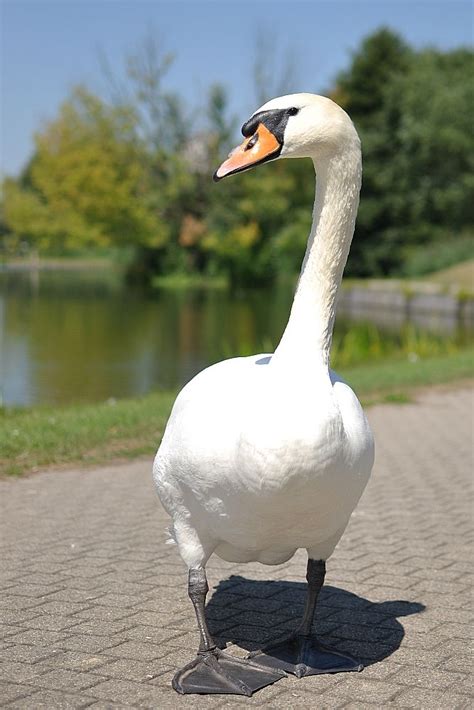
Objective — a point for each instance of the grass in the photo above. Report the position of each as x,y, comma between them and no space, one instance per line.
184,281
395,380
360,343
460,275
364,342
82,259
85,434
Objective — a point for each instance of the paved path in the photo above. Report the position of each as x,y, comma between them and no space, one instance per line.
94,604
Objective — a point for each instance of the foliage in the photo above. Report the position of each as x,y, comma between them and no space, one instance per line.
247,221
413,112
134,170
460,276
85,184
439,254
365,342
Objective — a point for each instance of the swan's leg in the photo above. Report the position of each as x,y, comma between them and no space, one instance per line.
301,654
315,574
213,671
197,592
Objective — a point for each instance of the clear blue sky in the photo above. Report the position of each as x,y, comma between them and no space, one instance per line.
47,47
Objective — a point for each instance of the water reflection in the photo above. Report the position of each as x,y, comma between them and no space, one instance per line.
84,336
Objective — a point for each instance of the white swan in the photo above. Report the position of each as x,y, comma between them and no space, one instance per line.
264,455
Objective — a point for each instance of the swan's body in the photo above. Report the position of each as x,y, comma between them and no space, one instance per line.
258,461
267,454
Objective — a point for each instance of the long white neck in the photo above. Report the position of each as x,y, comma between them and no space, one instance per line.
308,334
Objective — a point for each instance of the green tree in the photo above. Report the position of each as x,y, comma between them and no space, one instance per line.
221,127
413,112
431,174
85,184
361,88
163,128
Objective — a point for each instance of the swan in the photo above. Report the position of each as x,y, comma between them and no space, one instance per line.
267,454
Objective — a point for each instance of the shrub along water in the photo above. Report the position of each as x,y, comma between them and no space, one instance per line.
365,343
362,343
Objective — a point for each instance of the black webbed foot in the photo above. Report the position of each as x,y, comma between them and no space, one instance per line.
217,672
302,656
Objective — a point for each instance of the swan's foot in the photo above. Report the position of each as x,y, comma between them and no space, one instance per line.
216,672
304,655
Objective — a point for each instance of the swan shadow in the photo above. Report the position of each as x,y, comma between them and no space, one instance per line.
250,613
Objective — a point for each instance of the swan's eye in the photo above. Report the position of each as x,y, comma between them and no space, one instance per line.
252,141
293,111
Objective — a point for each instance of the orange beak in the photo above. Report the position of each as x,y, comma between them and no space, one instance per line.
257,149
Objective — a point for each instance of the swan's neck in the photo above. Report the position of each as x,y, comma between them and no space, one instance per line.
308,334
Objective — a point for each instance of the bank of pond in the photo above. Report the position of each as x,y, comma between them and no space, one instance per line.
32,438
83,335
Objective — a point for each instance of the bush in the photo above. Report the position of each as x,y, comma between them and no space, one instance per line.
439,255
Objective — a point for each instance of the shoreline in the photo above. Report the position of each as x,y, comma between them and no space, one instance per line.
57,264
90,434
93,465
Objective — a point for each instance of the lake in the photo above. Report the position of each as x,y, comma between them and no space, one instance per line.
83,335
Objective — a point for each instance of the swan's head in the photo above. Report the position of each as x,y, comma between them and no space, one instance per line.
293,126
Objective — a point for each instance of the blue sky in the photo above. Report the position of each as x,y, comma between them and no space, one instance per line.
47,47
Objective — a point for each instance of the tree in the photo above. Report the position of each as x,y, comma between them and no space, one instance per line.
161,121
275,72
164,129
85,184
220,126
413,112
433,166
361,88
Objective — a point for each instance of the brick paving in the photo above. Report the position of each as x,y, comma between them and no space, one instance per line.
94,605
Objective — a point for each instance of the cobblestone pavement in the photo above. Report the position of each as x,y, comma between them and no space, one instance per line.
95,612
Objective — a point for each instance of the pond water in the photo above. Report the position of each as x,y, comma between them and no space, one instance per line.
70,336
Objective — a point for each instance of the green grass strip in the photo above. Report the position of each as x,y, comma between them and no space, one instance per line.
83,433
382,380
31,439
